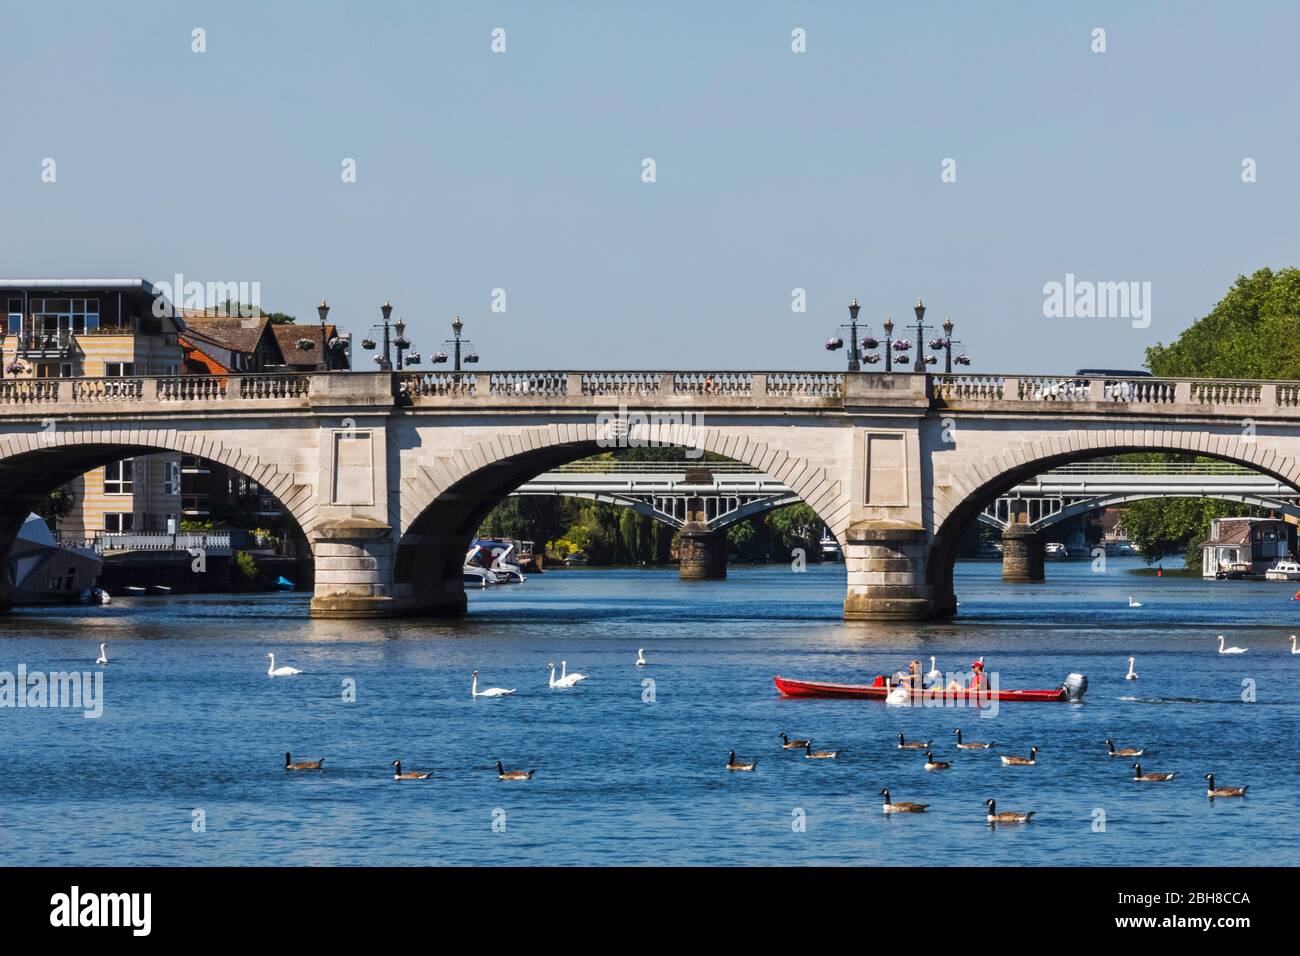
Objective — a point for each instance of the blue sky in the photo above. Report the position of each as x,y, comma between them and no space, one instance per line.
775,170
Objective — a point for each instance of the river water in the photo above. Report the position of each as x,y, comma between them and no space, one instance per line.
185,764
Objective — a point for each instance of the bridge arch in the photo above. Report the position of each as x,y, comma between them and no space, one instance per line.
443,504
983,481
33,464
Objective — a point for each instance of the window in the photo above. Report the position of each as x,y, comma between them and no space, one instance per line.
171,478
116,522
118,369
64,315
171,368
119,477
15,324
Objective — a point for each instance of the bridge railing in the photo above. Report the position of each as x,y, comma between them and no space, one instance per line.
1141,391
126,390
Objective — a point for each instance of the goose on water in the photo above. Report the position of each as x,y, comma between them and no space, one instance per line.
1231,650
912,744
640,657
971,746
932,764
1007,816
504,774
490,692
103,653
1132,674
303,764
1123,751
1151,777
902,807
788,744
744,767
1030,761
410,774
1212,791
283,670
811,754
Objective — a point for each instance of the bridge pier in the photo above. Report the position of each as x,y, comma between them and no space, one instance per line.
702,553
354,570
886,564
1022,554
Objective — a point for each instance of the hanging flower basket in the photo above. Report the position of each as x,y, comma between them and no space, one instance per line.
931,359
15,368
367,343
402,342
834,343
871,359
439,357
471,358
902,345
336,344
306,345
413,358
938,344
962,359
870,343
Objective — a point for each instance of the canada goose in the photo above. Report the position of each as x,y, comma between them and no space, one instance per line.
962,746
283,671
932,764
1132,674
103,654
902,807
788,744
1150,777
410,774
912,744
504,774
732,765
1214,791
1231,650
490,692
640,657
1123,751
1030,761
1133,603
567,679
1293,647
1006,816
810,754
303,764
934,672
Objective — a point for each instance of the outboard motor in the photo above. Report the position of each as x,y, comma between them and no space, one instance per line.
1075,686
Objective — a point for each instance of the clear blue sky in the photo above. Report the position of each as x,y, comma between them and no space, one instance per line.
775,170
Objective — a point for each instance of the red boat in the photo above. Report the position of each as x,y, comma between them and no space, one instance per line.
1072,689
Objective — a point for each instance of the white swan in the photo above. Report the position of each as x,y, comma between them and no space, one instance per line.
490,692
285,671
103,654
567,679
641,661
1133,603
1131,675
1231,650
1293,647
555,684
934,672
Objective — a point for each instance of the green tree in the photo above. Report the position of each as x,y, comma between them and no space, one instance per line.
1166,527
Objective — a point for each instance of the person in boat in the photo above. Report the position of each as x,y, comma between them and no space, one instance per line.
976,681
911,677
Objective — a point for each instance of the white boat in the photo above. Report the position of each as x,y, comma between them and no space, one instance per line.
1055,551
44,571
830,548
477,577
1284,570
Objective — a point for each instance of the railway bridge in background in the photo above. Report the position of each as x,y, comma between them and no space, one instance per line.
388,474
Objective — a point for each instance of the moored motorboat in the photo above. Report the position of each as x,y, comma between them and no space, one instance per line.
1071,689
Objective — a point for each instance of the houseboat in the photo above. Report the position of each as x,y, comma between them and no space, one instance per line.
1246,547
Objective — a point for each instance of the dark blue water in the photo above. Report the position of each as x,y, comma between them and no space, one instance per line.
192,722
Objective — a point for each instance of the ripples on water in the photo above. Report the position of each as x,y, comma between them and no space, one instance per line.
192,721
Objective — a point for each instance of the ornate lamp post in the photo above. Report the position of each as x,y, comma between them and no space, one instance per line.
401,343
323,310
456,343
922,360
856,357
889,344
385,361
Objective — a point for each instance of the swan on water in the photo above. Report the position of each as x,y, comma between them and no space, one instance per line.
284,671
1132,674
1293,647
1133,603
490,692
556,684
1231,650
103,653
567,679
934,672
641,661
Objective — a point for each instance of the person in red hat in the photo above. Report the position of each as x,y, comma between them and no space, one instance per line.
976,681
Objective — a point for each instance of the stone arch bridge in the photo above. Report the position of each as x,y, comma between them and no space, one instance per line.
389,474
